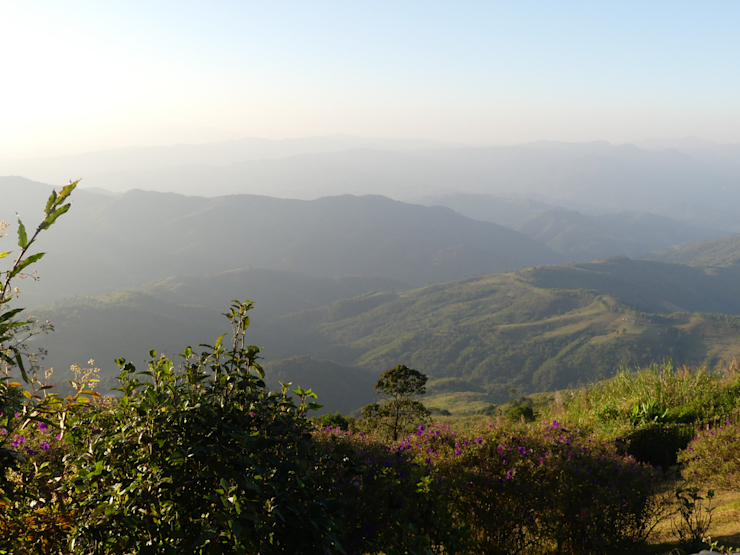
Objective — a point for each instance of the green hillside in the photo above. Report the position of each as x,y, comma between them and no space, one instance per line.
339,388
647,285
724,251
139,237
541,328
501,332
175,312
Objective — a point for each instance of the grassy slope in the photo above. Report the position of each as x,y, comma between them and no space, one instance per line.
501,332
521,330
724,251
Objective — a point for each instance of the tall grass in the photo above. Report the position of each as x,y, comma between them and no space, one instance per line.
657,393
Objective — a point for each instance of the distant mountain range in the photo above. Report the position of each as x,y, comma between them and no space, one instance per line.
105,243
573,235
695,184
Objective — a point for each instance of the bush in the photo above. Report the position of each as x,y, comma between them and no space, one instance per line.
712,456
522,411
532,490
390,503
659,444
204,460
335,420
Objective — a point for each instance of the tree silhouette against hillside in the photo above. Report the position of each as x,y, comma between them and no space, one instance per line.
398,386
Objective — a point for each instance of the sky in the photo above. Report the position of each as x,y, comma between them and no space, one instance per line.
83,75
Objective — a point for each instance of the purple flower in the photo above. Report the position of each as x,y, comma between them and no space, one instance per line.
362,435
42,427
509,474
458,452
44,446
18,440
479,440
3,431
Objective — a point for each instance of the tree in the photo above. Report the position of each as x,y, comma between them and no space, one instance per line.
398,386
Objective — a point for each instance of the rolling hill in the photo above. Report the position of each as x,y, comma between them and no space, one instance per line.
535,329
501,332
573,235
722,252
139,237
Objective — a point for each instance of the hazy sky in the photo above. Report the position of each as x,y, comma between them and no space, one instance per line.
84,75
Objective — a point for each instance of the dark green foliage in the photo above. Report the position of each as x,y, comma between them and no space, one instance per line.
659,444
203,460
390,503
519,413
333,421
398,386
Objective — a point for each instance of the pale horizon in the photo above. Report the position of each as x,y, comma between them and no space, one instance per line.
87,77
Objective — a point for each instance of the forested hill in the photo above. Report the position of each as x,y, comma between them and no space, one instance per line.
525,330
500,332
724,251
650,286
140,236
574,235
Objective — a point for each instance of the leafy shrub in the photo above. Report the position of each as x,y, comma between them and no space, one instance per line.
658,444
390,503
712,456
335,420
532,490
522,411
695,517
203,460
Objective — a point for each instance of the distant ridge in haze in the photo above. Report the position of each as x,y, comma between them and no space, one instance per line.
140,236
724,251
576,236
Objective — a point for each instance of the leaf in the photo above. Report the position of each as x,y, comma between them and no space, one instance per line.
30,260
4,254
51,218
19,364
22,237
51,202
218,341
9,314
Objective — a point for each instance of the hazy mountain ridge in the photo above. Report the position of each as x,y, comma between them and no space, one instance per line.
698,188
576,236
721,252
139,237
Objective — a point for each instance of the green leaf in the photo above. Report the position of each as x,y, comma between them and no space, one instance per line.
51,202
4,254
19,364
9,314
51,218
30,260
22,237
